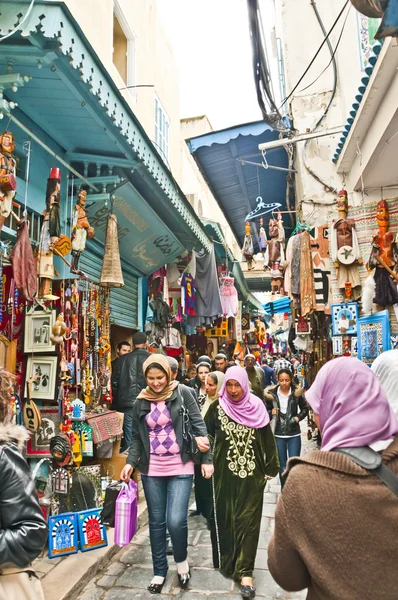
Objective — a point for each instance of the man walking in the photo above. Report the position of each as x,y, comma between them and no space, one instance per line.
256,376
127,382
269,373
282,363
221,362
122,349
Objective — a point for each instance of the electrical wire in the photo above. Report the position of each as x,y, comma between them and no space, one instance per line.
326,40
333,55
4,37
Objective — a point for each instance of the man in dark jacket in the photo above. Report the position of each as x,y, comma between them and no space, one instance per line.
269,373
127,382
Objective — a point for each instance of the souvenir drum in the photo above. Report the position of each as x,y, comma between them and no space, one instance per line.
8,182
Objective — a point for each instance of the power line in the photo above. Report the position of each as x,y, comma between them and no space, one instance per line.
316,55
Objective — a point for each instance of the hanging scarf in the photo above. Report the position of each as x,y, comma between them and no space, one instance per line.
210,399
352,407
148,393
250,411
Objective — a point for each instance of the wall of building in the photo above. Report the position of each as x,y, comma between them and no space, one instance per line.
194,185
154,62
302,36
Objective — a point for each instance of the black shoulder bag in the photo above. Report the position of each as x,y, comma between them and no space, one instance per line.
188,439
370,460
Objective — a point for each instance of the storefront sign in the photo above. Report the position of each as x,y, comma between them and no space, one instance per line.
238,324
144,240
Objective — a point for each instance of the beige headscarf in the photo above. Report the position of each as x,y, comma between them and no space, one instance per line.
148,393
210,399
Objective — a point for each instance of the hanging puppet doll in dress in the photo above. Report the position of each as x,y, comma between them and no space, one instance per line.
276,258
81,230
248,249
50,232
344,247
384,259
8,181
262,238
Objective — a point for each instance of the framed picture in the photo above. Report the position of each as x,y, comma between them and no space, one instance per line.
92,533
374,336
45,368
337,345
345,318
62,535
211,347
303,326
38,326
39,442
354,346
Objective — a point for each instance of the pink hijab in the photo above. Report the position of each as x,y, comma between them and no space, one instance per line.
249,411
352,407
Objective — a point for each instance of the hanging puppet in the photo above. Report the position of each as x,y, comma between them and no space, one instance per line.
248,249
81,230
262,238
384,259
8,181
50,232
276,257
344,247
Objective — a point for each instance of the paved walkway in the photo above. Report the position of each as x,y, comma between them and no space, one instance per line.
131,571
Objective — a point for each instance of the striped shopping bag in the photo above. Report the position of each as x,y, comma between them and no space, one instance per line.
126,514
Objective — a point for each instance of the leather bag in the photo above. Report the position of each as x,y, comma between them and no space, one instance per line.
21,584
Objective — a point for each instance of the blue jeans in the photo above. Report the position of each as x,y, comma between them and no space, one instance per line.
287,446
167,499
127,431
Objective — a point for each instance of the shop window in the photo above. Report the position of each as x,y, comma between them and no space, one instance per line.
162,127
123,48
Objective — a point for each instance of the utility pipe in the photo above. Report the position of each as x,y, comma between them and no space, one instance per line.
51,152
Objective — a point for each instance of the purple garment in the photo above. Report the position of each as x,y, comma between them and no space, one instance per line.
162,436
352,407
250,411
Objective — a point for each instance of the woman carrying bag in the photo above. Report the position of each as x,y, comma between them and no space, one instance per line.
23,530
163,416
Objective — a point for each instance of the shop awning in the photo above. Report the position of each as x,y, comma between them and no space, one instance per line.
74,106
225,157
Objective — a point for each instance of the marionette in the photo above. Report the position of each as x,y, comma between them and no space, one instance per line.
260,332
262,238
384,259
58,331
8,181
248,249
50,232
344,246
81,230
281,229
276,257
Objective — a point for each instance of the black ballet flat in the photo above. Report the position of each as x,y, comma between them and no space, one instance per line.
156,588
184,579
247,591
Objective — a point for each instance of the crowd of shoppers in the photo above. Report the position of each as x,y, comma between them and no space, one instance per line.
245,422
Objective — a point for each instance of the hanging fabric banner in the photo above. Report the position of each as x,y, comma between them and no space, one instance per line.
238,324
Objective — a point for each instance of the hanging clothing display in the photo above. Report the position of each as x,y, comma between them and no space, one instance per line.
229,297
321,266
307,292
189,286
208,302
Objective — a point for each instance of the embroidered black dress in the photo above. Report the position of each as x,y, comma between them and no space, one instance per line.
242,458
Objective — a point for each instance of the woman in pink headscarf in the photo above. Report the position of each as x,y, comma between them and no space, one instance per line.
244,456
336,524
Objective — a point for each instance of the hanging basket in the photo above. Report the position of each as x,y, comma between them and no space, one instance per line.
111,273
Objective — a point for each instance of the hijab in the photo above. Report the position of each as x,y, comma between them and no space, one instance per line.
385,367
352,407
250,411
148,393
210,399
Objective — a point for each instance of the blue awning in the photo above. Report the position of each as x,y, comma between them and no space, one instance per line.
225,157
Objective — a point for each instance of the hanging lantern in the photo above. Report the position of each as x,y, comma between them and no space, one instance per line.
111,273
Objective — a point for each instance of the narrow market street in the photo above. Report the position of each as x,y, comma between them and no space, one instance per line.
130,572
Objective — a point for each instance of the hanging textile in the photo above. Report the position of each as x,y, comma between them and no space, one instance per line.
321,266
229,297
307,292
189,286
208,302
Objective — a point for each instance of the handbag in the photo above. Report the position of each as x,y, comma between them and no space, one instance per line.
369,459
21,584
274,419
126,514
111,495
188,439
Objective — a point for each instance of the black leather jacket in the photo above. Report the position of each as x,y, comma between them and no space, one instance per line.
23,530
128,379
286,423
139,452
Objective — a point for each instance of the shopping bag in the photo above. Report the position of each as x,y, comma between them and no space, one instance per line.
111,495
126,514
